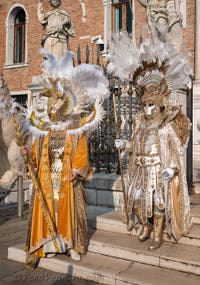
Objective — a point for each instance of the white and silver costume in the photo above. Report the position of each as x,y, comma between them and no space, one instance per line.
156,188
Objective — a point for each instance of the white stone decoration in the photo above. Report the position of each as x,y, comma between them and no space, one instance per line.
11,160
58,28
183,12
164,20
107,22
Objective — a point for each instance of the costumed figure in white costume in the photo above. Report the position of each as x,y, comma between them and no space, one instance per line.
156,187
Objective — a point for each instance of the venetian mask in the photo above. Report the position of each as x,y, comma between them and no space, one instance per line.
58,108
151,109
148,108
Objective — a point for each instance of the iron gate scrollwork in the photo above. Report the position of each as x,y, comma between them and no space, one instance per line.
102,151
101,143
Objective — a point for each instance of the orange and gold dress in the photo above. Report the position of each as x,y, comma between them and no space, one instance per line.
65,201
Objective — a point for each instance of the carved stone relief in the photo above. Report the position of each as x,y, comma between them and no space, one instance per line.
164,20
58,28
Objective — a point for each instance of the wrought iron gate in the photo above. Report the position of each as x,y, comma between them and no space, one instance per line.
102,151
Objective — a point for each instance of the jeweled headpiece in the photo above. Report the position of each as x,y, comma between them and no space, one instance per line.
148,66
75,95
152,87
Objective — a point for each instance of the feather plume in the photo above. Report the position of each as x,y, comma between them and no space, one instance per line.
57,69
123,55
85,88
49,65
148,63
2,105
90,79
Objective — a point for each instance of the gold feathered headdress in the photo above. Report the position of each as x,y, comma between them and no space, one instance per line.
75,95
157,66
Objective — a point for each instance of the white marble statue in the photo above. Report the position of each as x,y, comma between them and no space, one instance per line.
84,17
58,28
11,164
164,20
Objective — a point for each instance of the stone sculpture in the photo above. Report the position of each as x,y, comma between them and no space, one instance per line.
58,28
11,162
164,20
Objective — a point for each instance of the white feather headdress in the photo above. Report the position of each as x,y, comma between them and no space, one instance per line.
148,63
84,88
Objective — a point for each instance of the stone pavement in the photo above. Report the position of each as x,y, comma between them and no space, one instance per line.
12,232
113,257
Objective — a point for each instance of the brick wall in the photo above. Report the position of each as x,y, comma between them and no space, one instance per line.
189,31
18,78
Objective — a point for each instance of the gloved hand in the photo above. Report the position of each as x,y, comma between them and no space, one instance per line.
120,144
23,151
168,173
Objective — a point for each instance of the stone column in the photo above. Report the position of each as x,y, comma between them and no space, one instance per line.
197,43
196,103
107,22
133,20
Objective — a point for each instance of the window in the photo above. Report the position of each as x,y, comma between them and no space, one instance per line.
21,99
16,37
121,16
19,37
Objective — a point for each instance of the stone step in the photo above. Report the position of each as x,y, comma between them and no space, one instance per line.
195,212
109,270
111,221
178,257
105,190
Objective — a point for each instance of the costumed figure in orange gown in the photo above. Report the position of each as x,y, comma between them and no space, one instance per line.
58,156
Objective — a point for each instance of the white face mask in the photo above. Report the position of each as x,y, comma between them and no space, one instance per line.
148,108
